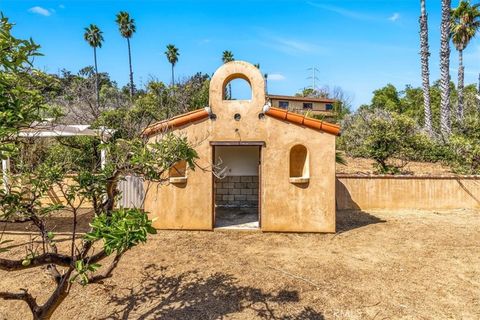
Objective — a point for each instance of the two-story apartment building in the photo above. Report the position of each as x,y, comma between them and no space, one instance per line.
315,106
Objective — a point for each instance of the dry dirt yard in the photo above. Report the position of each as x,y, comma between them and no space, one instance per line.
380,265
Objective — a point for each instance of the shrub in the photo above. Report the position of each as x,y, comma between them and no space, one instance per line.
381,135
465,147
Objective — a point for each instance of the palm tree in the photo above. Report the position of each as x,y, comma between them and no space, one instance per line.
445,124
465,24
424,56
172,56
126,26
227,57
93,35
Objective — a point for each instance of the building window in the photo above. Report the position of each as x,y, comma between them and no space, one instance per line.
178,172
299,164
283,104
308,105
329,106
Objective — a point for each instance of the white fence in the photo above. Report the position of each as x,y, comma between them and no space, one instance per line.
132,191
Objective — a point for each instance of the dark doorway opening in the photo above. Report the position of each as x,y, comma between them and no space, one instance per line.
236,186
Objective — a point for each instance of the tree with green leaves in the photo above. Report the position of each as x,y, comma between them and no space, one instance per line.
113,230
21,101
380,135
227,56
424,58
94,37
172,57
465,25
69,167
126,26
445,116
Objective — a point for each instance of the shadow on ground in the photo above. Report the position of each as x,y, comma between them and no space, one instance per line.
190,296
59,221
352,219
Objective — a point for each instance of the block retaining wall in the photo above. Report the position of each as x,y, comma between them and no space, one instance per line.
366,192
236,191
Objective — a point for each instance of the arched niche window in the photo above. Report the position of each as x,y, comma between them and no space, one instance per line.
237,88
178,172
299,164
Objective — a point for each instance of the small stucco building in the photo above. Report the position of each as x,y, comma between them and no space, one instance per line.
260,165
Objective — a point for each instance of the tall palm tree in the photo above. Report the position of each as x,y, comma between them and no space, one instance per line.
424,57
172,56
445,123
465,24
227,56
126,26
94,37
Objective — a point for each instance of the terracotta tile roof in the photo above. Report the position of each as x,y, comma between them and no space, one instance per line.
302,120
277,113
175,122
304,99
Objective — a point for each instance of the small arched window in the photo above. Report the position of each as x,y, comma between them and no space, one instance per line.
299,164
178,172
237,89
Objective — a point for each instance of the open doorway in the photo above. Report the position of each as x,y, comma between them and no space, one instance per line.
236,186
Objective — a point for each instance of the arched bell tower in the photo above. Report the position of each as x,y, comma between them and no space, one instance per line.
237,110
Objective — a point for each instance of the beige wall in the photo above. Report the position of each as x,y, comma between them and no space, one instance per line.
238,161
426,193
285,206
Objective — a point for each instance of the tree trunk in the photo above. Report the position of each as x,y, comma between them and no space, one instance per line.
46,311
424,57
478,93
461,77
131,70
173,76
97,89
445,123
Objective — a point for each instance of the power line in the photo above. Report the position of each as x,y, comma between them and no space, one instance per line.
313,77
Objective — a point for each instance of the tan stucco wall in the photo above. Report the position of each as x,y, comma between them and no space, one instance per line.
284,206
55,195
425,193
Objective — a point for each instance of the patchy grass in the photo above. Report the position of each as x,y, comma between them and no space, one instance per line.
407,264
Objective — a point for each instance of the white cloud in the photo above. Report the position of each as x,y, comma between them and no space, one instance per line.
41,11
276,77
343,12
204,41
291,46
394,17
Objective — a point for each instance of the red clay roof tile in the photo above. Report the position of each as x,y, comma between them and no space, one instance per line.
175,122
299,119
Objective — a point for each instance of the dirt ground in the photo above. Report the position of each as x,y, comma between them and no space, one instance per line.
380,265
365,166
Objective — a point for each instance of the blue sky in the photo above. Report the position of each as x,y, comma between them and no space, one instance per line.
359,45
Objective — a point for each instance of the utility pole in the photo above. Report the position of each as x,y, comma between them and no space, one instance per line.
313,77
266,83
